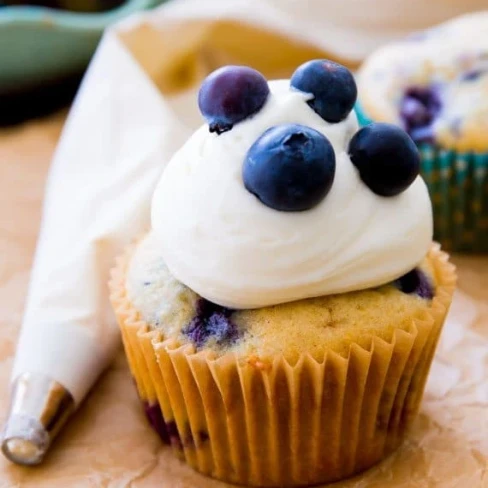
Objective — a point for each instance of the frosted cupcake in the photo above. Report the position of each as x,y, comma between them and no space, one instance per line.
435,85
281,315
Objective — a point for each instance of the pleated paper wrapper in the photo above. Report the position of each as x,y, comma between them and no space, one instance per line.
272,423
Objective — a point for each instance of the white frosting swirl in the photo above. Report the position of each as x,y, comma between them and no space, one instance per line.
222,242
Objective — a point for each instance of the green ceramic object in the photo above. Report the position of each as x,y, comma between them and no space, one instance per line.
40,45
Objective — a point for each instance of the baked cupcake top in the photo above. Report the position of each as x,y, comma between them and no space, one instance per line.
434,84
284,198
309,326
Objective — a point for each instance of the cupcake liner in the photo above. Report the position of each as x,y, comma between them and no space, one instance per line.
458,186
266,422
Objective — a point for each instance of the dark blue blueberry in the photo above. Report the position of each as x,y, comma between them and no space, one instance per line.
332,86
205,308
473,75
231,94
202,437
186,440
211,322
419,108
174,434
415,281
168,431
415,113
155,418
290,168
386,158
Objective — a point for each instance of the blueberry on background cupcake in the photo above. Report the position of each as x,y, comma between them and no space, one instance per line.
282,313
435,86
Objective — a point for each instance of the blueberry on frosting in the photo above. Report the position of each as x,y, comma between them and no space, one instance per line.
332,86
386,158
215,214
290,168
231,94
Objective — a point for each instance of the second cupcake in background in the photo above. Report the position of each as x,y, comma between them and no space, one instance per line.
281,316
434,84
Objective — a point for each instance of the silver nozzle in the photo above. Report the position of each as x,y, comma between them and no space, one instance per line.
39,408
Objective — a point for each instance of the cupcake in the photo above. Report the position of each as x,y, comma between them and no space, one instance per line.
434,84
281,315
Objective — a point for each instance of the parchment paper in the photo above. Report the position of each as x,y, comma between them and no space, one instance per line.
108,443
161,58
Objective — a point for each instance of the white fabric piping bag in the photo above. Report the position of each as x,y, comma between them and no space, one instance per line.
97,199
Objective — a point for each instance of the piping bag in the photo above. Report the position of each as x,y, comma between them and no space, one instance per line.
97,199
135,107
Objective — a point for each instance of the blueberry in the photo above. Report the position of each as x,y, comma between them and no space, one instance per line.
414,112
415,281
174,434
231,94
332,86
419,108
211,321
155,417
168,431
386,158
473,75
290,168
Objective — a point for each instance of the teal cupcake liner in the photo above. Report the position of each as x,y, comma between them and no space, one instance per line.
458,186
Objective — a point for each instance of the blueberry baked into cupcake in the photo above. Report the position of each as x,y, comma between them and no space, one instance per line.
281,315
434,84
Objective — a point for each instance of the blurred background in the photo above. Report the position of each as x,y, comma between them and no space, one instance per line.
45,47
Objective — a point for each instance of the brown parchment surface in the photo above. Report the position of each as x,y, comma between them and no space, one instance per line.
108,443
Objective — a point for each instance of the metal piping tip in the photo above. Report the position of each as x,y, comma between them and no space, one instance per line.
39,408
